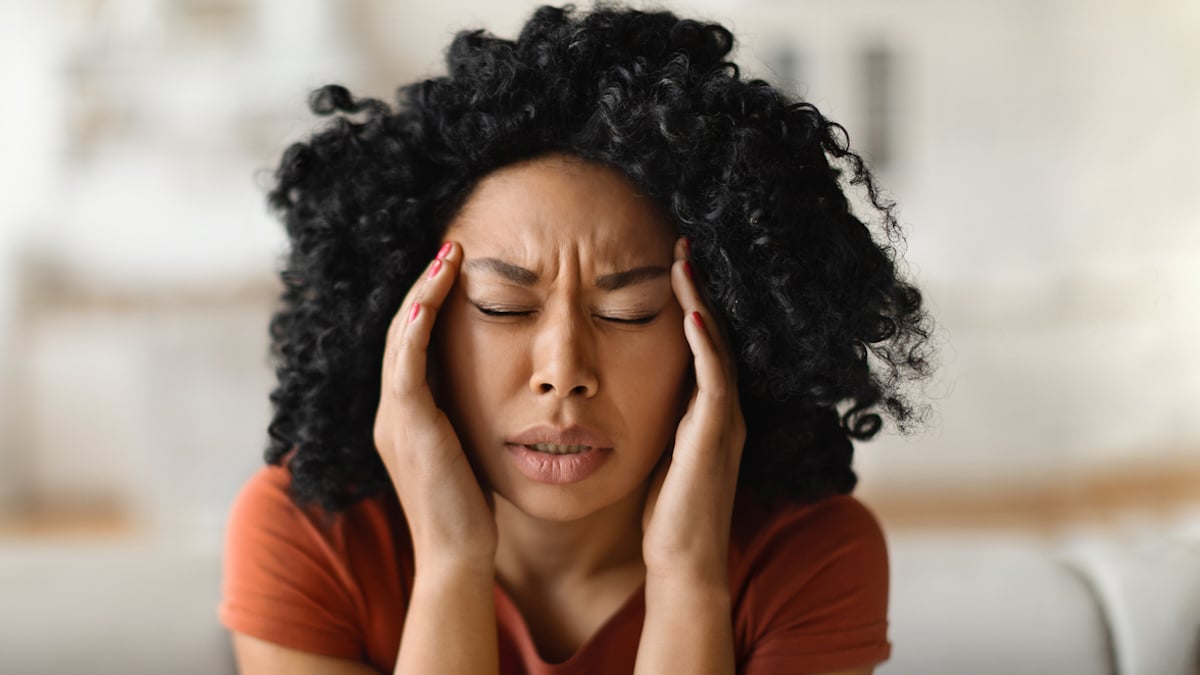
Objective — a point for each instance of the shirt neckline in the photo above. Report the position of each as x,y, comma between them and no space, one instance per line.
633,604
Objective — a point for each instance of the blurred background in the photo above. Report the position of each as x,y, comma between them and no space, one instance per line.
1043,153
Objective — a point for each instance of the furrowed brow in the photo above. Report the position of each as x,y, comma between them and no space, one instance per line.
637,275
510,271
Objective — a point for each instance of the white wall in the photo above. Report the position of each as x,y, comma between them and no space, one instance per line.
1045,168
1044,156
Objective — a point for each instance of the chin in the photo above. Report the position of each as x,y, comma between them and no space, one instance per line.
557,504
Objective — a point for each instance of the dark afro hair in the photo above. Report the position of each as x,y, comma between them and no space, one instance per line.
825,330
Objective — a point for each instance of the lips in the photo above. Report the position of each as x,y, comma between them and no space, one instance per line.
574,434
559,455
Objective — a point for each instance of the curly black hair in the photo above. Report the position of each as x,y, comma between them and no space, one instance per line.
825,330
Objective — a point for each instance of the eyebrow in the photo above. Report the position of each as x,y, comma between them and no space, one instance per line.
607,282
611,282
514,273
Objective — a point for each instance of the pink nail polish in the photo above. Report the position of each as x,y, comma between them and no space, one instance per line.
444,251
437,265
416,309
698,319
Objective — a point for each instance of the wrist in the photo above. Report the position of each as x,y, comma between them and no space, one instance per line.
693,553
446,554
454,570
701,584
703,566
450,621
705,607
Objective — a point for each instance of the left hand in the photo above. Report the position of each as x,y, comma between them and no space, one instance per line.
689,506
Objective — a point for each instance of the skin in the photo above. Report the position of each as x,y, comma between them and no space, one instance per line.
656,513
565,351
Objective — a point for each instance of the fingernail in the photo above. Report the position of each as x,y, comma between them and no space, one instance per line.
412,315
444,251
437,265
687,247
687,267
698,319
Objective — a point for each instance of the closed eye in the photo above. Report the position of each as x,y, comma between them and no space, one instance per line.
637,320
491,311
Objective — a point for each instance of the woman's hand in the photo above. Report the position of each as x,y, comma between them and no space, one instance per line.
450,623
690,502
689,507
448,516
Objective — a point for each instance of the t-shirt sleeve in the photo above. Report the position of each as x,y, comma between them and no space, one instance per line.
284,579
818,593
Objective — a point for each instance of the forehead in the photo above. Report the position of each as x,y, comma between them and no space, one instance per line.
556,201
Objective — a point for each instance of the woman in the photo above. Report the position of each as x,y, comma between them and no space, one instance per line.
573,346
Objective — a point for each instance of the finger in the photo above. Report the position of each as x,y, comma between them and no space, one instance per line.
400,317
695,278
716,384
416,319
713,385
685,284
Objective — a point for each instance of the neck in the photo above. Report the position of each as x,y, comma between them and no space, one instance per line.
544,553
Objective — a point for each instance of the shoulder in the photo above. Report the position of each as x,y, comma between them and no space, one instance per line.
264,506
264,516
265,520
294,575
810,583
264,498
808,536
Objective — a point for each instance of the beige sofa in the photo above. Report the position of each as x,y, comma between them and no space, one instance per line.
962,604
989,604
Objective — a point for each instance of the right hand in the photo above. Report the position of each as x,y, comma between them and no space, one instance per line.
448,515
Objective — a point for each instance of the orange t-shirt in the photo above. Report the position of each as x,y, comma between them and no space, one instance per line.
809,586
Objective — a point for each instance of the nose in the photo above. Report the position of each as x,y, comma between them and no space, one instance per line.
564,358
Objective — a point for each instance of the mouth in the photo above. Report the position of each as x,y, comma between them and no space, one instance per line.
561,440
559,454
557,463
556,449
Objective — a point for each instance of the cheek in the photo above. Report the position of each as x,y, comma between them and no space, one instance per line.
459,352
655,377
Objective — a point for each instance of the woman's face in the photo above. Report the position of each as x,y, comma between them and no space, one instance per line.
559,354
